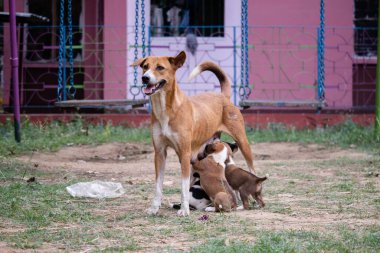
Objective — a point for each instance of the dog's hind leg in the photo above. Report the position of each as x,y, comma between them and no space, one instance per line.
245,199
245,149
159,163
234,126
237,132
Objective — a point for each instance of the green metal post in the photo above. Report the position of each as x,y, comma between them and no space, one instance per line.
377,120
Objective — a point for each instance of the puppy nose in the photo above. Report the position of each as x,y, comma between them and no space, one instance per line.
145,79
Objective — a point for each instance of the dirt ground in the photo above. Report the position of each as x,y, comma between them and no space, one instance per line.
299,177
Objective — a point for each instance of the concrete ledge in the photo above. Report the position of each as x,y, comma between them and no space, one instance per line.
252,119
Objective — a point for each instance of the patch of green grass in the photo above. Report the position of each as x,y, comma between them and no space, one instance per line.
72,238
171,191
345,240
36,205
343,135
346,186
221,246
54,135
123,248
11,169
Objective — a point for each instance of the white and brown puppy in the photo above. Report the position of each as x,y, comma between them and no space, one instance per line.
199,200
186,123
212,177
246,184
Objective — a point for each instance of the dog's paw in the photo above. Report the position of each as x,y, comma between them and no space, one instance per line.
210,209
152,210
183,212
240,208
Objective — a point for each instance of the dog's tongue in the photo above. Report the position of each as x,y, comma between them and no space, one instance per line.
148,89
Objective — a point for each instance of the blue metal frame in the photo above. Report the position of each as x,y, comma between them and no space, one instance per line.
321,55
61,89
244,89
62,79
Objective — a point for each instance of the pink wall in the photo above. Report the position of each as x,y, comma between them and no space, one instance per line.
93,56
284,60
115,55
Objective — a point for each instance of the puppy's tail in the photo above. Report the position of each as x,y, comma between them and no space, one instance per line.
220,74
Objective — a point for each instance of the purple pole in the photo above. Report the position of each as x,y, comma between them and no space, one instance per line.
14,64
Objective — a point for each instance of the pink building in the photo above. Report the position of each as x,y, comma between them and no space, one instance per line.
282,48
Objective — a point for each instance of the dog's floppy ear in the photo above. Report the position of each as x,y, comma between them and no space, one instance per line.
209,149
178,61
138,62
217,136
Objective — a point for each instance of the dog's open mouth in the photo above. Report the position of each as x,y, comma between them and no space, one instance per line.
150,89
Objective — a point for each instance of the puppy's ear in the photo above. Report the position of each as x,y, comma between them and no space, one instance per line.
178,61
217,136
234,147
210,148
138,62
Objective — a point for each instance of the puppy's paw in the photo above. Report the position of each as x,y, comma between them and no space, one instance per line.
183,212
210,209
153,210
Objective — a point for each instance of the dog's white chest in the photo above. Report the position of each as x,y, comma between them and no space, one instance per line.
162,128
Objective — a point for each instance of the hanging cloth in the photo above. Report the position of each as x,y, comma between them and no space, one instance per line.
174,20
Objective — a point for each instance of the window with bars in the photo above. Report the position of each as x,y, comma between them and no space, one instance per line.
365,22
43,41
170,18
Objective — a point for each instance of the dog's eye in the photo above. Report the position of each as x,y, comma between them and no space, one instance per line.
159,68
145,67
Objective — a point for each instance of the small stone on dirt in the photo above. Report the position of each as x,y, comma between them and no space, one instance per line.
120,157
31,180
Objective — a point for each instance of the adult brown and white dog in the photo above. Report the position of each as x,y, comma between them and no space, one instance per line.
186,123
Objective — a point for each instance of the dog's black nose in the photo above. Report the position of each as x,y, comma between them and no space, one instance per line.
145,79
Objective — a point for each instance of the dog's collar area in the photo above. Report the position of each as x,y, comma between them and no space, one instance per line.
150,89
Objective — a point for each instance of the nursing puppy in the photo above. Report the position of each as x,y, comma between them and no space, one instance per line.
186,123
212,177
199,200
242,181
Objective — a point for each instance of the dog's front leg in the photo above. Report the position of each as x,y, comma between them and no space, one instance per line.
185,183
159,163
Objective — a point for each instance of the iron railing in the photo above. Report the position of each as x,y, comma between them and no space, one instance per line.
283,63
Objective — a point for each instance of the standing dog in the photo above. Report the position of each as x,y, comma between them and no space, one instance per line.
186,123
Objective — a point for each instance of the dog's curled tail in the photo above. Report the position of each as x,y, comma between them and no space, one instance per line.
220,74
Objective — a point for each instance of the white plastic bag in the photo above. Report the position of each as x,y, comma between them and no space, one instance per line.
96,189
